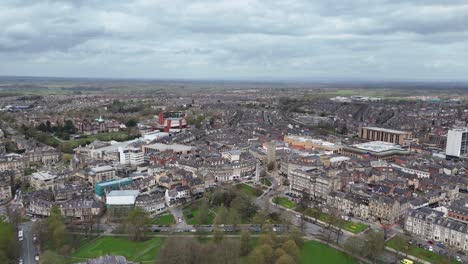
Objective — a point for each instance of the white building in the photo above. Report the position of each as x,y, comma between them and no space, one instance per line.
457,143
43,180
131,156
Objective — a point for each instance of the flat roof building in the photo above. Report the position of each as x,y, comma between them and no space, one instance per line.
374,149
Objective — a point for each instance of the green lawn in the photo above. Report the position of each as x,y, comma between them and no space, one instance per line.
315,252
344,224
191,214
421,253
247,189
134,251
164,219
265,181
285,202
67,146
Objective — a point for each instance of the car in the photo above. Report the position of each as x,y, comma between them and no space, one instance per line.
430,248
440,244
36,258
410,242
458,258
20,261
179,220
430,242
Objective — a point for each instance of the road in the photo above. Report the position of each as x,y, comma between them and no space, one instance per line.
28,249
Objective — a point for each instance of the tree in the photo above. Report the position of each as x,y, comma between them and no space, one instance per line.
218,235
401,246
49,257
297,236
279,252
137,223
291,249
375,244
203,212
355,245
256,257
8,242
221,216
131,123
52,232
268,253
245,247
233,217
285,259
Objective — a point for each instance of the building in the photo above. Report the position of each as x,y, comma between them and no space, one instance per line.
120,203
429,224
97,126
374,150
152,203
6,178
172,121
43,180
175,148
271,153
387,210
458,210
101,188
12,161
351,204
101,174
385,135
457,143
131,156
308,143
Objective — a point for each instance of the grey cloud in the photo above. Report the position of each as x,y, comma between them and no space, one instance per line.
201,38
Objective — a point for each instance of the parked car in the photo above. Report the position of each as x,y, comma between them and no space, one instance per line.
458,258
430,242
440,244
430,248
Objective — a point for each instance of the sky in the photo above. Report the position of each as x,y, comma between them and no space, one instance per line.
239,39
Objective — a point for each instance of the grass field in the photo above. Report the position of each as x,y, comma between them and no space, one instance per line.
344,224
146,251
191,214
285,202
315,252
67,146
247,189
164,219
421,253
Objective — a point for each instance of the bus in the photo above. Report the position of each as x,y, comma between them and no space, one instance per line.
20,235
406,261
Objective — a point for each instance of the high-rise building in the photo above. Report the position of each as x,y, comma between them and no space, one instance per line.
271,152
457,143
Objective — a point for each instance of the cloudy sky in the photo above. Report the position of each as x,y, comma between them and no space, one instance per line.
238,39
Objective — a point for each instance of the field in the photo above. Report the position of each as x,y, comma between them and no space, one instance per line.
421,253
146,251
316,252
164,219
285,202
344,224
191,214
67,146
247,189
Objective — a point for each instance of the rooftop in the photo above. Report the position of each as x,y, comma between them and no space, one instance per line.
386,130
378,146
43,176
